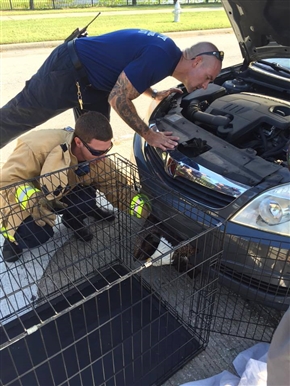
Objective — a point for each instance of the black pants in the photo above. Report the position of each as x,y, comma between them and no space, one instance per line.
81,202
51,91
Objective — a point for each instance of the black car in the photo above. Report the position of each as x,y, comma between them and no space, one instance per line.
233,153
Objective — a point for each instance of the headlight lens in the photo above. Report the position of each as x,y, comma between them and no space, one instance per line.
269,212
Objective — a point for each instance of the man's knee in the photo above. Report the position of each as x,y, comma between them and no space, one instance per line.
30,235
80,198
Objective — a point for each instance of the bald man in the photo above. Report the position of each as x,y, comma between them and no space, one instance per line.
110,70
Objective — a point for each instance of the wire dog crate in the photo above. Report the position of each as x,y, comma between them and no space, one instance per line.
250,316
129,307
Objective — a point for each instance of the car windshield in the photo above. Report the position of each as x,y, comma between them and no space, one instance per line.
280,64
283,62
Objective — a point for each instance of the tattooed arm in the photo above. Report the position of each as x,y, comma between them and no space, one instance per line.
121,98
160,95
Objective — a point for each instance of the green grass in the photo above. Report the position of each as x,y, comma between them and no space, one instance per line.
99,8
37,30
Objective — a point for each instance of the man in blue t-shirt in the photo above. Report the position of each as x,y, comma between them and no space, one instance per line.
95,73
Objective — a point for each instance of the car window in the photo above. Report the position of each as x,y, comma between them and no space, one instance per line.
284,62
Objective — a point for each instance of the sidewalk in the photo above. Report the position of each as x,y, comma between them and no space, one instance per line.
54,43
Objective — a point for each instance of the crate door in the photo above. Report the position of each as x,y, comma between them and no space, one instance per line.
253,290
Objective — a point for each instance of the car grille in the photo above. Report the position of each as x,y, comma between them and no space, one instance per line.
254,283
199,193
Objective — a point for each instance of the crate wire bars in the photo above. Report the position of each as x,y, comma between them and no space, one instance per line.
131,306
251,318
103,312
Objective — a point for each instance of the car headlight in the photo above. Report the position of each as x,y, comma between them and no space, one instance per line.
269,211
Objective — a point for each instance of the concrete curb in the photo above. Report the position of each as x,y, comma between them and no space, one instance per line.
54,43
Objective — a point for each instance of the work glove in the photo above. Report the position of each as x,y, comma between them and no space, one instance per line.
42,209
140,206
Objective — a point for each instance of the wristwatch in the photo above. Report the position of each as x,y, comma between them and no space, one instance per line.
154,93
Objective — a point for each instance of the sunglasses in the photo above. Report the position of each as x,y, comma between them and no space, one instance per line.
94,152
218,54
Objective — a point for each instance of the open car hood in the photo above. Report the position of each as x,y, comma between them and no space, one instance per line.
261,27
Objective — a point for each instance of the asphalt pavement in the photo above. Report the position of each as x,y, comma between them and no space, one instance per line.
222,349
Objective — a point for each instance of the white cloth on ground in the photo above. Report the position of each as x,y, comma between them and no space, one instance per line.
250,365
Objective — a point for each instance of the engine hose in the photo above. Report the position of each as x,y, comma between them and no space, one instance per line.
273,151
215,120
193,113
263,138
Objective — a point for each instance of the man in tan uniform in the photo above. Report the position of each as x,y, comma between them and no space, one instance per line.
59,171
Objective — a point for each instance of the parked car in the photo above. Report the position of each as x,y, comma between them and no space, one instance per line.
233,153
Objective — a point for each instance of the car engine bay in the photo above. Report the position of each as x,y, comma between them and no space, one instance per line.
230,129
246,120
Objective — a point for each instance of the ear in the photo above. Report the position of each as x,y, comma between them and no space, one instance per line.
78,142
197,61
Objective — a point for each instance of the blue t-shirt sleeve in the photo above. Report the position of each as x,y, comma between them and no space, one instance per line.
153,65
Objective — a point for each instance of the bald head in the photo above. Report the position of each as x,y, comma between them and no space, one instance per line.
198,66
196,49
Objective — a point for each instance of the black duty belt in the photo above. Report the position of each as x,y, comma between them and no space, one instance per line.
73,55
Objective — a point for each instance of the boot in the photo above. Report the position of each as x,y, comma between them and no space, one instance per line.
81,231
102,214
11,252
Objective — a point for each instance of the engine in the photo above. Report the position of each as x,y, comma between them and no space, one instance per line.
245,120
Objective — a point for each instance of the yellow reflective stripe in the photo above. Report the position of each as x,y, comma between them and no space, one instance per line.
23,193
136,206
6,234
